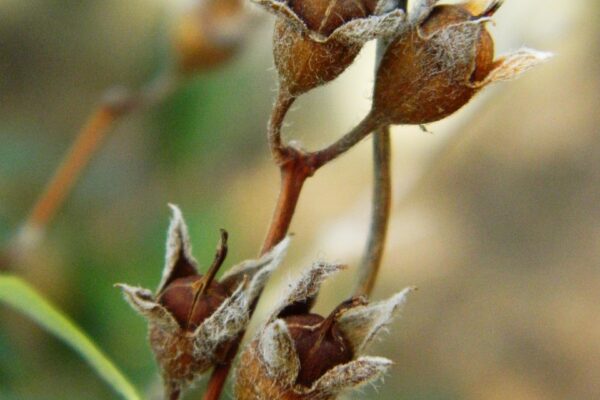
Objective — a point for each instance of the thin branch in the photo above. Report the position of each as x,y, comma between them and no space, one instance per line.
115,105
78,156
296,165
280,109
319,158
380,213
382,199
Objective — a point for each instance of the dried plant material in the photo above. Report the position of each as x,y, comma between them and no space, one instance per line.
192,318
482,7
303,356
352,375
441,62
178,257
306,287
209,34
142,300
315,41
279,353
362,324
420,10
511,66
259,270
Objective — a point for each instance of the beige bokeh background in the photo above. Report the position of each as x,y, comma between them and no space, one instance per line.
495,215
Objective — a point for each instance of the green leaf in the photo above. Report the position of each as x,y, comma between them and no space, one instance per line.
21,296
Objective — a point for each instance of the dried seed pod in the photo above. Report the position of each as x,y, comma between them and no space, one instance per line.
209,34
441,62
193,318
315,40
305,356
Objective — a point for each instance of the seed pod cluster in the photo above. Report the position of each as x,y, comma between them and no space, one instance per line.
300,355
192,318
315,41
436,66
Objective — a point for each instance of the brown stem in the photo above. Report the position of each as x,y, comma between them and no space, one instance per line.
83,148
115,105
280,109
382,195
293,175
345,143
295,166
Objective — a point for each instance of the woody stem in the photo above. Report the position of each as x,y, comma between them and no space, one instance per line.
295,165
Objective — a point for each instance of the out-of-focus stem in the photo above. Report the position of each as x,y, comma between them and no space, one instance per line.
380,213
78,156
381,203
87,142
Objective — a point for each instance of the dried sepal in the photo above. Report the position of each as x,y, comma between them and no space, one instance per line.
299,355
420,10
355,31
143,302
223,325
482,7
278,352
258,270
511,66
360,31
351,375
314,42
362,324
306,286
179,261
193,318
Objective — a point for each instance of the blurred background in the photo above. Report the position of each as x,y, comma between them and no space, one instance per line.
496,213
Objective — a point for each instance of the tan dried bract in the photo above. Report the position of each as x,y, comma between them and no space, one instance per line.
192,318
316,40
304,356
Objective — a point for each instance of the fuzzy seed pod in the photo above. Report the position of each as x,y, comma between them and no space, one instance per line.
444,58
208,35
303,356
192,318
316,40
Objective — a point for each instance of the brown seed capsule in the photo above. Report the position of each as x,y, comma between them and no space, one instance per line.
203,38
429,72
325,17
192,318
304,64
319,344
316,40
307,357
181,299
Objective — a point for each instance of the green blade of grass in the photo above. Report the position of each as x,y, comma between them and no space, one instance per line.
18,294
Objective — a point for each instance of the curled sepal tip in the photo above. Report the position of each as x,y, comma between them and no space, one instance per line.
513,65
362,324
193,319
